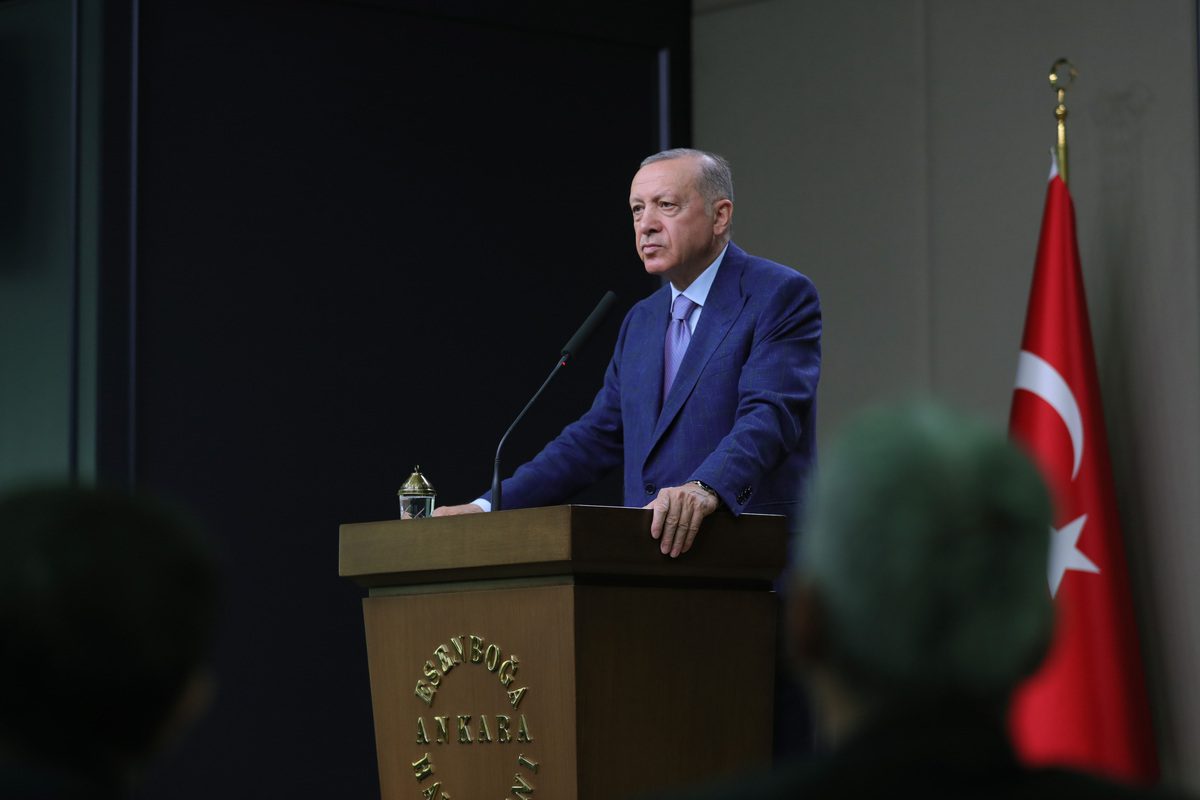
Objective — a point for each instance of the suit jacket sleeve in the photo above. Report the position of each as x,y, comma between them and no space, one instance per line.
579,456
776,392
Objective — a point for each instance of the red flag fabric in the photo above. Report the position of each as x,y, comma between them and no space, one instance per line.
1087,706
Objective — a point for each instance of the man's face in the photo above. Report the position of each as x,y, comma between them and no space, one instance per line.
675,236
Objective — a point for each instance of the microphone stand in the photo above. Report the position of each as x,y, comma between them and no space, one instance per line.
562,362
570,348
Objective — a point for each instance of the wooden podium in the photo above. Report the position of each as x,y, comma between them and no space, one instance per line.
555,653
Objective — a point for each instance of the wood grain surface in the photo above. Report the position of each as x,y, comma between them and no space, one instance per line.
639,671
628,689
594,540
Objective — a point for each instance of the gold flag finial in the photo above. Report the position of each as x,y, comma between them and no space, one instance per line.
1062,75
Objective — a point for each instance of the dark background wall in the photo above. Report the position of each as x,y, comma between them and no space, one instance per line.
337,240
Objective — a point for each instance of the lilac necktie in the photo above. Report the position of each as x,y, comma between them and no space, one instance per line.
678,337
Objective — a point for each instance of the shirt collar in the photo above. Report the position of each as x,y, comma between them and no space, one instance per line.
697,291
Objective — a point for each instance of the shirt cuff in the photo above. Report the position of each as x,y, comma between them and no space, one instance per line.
486,505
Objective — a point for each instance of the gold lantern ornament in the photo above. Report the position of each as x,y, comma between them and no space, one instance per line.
416,496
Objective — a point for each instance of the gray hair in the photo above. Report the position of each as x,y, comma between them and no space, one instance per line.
927,543
716,178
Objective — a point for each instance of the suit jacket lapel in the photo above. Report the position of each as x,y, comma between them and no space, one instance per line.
642,381
721,308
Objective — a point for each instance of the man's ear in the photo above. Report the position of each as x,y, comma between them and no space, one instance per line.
722,216
807,639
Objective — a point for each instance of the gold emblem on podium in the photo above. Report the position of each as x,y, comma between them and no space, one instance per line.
475,653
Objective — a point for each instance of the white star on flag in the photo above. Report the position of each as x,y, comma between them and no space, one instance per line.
1065,553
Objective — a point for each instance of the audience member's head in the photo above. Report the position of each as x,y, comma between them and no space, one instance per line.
922,569
107,610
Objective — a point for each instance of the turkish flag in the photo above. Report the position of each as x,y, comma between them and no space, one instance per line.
1086,707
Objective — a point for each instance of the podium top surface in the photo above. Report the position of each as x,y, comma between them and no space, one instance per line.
594,541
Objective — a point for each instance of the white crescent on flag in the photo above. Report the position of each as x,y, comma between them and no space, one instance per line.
1034,374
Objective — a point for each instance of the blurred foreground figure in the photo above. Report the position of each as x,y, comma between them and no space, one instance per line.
918,603
107,609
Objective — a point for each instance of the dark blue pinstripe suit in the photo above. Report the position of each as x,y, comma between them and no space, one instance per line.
738,417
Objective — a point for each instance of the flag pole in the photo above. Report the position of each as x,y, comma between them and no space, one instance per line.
1087,704
1062,75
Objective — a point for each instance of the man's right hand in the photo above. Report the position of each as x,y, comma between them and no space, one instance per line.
453,511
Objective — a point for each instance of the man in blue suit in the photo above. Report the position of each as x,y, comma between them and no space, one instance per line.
709,400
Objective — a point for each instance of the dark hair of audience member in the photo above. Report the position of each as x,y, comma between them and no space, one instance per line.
107,611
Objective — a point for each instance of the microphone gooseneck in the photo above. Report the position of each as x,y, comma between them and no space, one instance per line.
572,347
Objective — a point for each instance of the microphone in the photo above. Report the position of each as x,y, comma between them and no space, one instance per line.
589,325
569,349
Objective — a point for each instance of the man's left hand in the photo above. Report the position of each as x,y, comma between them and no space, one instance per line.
678,511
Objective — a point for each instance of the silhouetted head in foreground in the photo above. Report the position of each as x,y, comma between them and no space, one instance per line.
107,610
922,570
